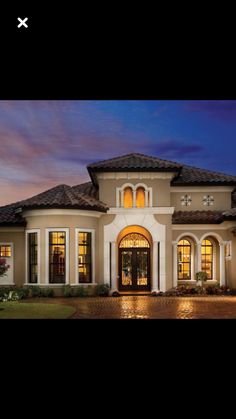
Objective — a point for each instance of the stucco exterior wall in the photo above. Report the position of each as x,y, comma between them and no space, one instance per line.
222,201
160,190
231,265
72,222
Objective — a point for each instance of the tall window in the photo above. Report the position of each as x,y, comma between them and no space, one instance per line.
5,251
33,258
85,257
128,197
207,258
184,260
140,197
57,257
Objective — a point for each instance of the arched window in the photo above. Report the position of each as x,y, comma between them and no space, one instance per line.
134,240
140,197
184,260
207,257
128,197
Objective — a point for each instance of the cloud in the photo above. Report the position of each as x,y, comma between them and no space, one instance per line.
223,109
175,149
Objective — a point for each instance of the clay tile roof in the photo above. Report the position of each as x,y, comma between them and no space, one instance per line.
197,217
8,216
62,196
133,162
194,176
88,188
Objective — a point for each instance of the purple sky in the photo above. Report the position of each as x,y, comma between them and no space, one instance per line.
46,143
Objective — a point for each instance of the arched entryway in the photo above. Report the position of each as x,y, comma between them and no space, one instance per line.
134,260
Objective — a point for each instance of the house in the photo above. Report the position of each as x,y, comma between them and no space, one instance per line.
141,224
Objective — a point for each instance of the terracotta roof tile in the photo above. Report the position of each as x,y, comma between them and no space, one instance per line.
62,196
134,161
197,217
194,176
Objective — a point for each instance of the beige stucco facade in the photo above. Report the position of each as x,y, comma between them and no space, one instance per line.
155,219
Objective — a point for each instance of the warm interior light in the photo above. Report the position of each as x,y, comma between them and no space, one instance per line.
128,198
140,198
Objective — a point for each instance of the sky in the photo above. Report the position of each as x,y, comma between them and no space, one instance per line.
47,143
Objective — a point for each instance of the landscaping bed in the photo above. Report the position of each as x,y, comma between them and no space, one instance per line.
197,291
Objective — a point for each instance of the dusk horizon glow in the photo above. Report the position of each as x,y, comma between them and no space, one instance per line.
47,143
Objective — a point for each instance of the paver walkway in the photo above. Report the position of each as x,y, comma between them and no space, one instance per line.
142,307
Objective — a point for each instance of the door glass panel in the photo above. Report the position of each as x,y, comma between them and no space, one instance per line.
126,260
142,268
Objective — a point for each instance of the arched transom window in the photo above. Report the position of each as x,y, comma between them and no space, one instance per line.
184,260
134,240
207,257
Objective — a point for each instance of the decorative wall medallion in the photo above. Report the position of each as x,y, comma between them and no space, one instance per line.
186,200
208,200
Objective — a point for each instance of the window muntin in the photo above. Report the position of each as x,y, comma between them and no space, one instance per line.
184,260
32,258
207,258
128,197
5,251
134,240
140,197
57,257
85,257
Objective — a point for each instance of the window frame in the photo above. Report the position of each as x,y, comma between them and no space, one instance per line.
213,258
4,279
93,260
5,245
190,259
35,230
47,231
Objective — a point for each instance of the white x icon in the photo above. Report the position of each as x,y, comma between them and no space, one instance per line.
22,22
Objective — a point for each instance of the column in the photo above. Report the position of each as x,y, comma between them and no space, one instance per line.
175,264
222,263
134,198
162,270
122,198
199,258
155,267
146,198
113,267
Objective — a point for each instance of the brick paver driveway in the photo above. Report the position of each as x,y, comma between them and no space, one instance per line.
146,307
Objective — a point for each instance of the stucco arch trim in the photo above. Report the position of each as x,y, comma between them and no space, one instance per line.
158,234
214,235
187,234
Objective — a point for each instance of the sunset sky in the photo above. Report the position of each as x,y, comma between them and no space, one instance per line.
47,143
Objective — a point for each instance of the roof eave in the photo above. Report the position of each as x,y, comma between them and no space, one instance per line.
77,207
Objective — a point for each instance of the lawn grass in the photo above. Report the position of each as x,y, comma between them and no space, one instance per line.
20,310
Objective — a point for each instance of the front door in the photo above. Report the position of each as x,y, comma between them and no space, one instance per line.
134,269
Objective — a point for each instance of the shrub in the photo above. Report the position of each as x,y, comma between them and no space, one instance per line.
47,292
67,291
13,293
201,276
23,293
35,291
80,291
103,290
